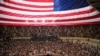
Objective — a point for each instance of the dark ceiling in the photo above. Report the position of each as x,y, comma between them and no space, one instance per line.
95,3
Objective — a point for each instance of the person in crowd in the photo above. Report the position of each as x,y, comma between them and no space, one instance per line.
50,48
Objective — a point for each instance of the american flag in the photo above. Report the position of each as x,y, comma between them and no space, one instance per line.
47,13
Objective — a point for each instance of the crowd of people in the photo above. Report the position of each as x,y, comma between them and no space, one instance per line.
91,31
53,48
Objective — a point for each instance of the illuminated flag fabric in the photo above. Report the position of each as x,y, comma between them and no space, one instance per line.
47,13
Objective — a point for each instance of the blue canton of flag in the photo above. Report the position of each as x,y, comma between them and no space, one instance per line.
60,5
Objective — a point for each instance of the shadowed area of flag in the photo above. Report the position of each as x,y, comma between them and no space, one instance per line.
47,13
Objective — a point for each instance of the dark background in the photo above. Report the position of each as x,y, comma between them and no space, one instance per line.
95,3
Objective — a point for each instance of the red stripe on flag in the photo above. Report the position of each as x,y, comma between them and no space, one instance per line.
76,19
78,24
13,20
